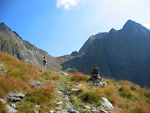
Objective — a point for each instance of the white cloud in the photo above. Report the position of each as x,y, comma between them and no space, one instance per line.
67,4
147,25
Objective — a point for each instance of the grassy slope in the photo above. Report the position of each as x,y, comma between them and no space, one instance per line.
15,76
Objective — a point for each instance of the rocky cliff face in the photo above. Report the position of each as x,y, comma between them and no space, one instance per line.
121,54
13,44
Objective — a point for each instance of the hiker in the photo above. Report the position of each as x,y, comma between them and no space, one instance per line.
44,62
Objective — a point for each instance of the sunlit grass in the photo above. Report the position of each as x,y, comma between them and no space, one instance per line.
2,108
9,84
79,77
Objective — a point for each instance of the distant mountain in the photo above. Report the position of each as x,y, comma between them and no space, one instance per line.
121,54
13,44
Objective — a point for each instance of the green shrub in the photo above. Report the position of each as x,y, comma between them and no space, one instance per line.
90,96
26,107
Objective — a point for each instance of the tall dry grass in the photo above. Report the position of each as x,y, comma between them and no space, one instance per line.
140,108
9,84
79,77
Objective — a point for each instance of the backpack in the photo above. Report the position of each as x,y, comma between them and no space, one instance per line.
44,60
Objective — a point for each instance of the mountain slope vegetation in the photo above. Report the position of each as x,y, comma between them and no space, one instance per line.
14,45
61,92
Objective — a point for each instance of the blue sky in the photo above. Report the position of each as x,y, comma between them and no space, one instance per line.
62,26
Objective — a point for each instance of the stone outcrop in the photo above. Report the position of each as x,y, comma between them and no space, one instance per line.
14,97
106,104
95,78
8,107
35,84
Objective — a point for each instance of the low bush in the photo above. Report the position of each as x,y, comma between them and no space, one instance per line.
43,95
109,90
114,99
140,108
8,84
26,107
90,96
82,89
79,77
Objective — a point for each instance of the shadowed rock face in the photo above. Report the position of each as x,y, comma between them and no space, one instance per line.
121,54
13,44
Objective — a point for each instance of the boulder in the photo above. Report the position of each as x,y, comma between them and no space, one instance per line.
51,111
14,97
106,104
78,85
10,109
74,90
59,103
88,107
13,105
74,111
63,73
35,84
103,111
3,101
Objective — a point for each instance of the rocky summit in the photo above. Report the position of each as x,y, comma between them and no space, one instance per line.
14,45
120,54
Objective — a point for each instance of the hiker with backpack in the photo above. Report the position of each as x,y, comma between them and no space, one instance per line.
44,62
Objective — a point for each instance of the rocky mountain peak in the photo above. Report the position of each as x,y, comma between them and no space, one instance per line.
3,27
112,30
133,26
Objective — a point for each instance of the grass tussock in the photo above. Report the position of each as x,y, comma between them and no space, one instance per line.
82,89
140,108
90,96
2,108
79,77
26,107
9,84
109,90
42,95
55,77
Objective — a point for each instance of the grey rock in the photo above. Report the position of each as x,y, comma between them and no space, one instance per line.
36,84
88,107
13,105
59,103
10,109
3,101
78,85
95,78
94,111
14,97
35,111
74,111
63,73
1,65
92,108
75,90
106,104
37,106
51,111
103,111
